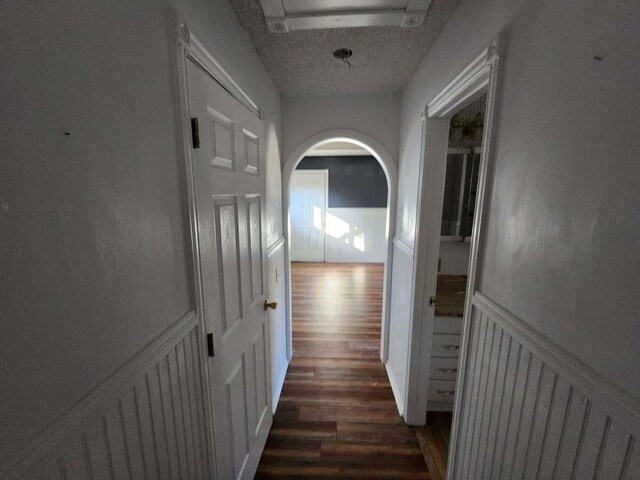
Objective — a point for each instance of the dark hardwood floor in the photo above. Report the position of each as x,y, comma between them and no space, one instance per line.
434,440
337,417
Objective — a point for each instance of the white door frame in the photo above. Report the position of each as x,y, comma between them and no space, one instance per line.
190,48
388,165
479,77
325,173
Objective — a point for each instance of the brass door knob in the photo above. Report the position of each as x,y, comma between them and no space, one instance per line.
270,305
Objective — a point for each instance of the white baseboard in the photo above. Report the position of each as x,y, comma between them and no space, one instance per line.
278,384
395,389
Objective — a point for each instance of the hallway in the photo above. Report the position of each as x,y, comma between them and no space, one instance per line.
337,417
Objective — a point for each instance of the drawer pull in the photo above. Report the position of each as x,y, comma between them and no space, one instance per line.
451,347
448,370
446,393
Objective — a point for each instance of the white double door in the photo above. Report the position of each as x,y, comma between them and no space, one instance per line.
308,209
229,191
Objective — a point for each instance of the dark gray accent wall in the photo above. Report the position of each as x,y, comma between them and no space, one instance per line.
354,182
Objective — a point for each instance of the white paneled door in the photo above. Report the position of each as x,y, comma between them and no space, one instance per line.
229,188
308,207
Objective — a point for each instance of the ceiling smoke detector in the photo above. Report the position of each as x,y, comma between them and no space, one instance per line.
343,53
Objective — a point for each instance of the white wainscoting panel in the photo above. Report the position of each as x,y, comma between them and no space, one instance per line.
400,320
147,421
356,235
531,411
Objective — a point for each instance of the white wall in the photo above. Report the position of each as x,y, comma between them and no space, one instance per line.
94,225
560,246
454,258
356,235
277,319
374,115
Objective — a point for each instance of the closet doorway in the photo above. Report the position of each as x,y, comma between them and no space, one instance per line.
309,198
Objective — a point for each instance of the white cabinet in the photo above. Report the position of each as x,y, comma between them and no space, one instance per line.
445,345
443,366
442,392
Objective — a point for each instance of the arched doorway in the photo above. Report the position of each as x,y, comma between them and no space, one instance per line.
389,167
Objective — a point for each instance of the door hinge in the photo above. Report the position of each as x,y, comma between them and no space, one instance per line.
432,301
210,344
195,133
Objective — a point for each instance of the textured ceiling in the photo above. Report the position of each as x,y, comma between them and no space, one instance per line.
302,62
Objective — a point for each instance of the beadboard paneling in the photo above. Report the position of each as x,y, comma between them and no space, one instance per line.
531,411
147,421
400,320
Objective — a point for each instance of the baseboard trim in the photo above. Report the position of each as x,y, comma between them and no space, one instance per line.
279,386
600,389
395,390
121,380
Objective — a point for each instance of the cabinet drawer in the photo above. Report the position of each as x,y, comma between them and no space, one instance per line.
443,368
441,391
447,325
445,346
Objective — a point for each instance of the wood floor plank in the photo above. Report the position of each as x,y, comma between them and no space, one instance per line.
342,413
434,442
304,430
337,417
401,457
376,433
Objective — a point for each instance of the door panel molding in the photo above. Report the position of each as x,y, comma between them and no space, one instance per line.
227,228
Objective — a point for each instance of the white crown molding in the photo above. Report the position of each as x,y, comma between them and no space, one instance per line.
196,51
468,85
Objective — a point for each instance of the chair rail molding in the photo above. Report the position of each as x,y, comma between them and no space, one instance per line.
601,390
404,246
167,370
529,409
